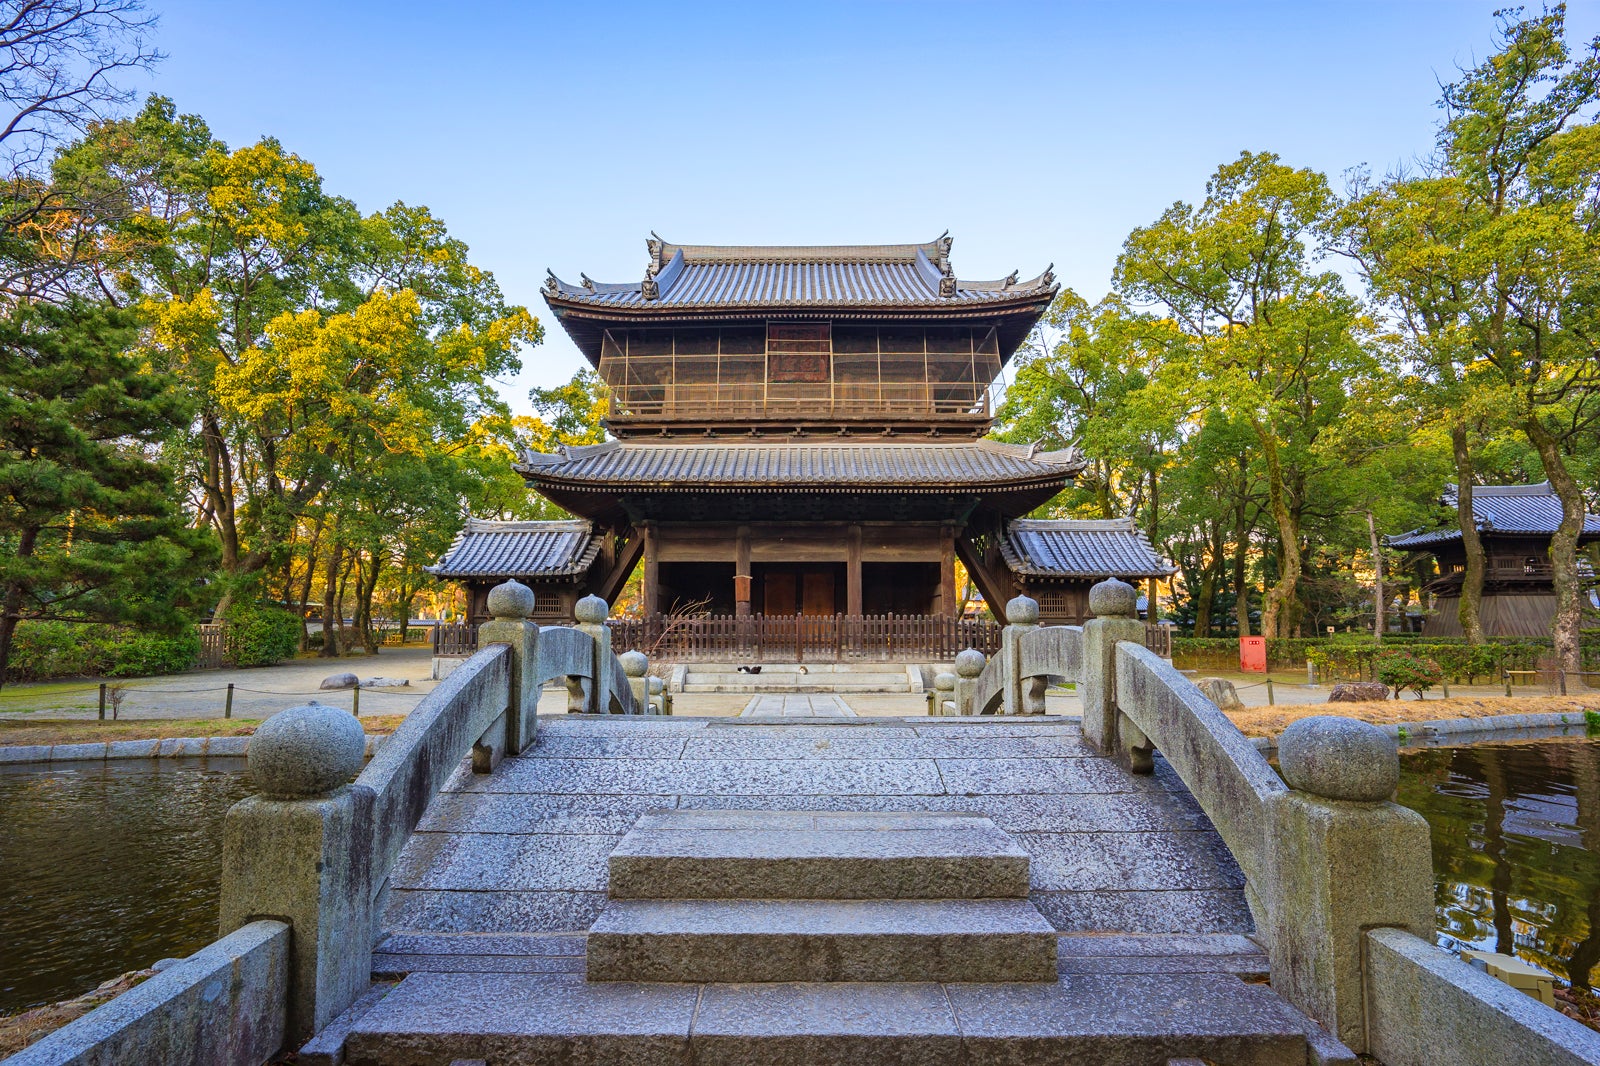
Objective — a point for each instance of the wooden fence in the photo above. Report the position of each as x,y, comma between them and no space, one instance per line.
803,638
793,638
213,648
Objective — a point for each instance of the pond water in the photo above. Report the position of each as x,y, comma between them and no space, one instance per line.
106,867
1516,848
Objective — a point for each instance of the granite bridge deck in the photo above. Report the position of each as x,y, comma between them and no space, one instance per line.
487,911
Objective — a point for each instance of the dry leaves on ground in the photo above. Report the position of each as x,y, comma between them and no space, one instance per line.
1270,721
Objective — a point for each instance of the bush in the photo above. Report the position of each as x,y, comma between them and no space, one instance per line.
258,635
1404,669
44,650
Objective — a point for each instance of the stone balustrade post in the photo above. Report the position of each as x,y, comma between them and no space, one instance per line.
637,666
300,852
1018,696
1341,859
1115,606
510,604
969,667
944,695
660,698
592,612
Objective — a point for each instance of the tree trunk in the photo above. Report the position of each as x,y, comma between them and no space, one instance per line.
1472,580
1278,618
12,612
305,584
1563,546
330,603
1378,604
1241,592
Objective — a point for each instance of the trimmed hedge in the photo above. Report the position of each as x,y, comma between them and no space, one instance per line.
1350,657
41,651
258,635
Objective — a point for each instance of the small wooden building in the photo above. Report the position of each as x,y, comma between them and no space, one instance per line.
1516,524
551,558
1056,562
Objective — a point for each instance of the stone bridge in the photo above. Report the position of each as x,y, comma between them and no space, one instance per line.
984,884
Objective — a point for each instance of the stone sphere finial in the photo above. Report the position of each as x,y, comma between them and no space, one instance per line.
1022,611
970,663
657,686
1339,758
592,610
634,663
1114,598
944,682
511,601
305,751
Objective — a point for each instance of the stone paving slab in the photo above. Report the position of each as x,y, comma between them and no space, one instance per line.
821,940
1128,1021
1114,1020
537,812
798,705
513,1018
711,777
1176,910
477,910
1082,812
1122,862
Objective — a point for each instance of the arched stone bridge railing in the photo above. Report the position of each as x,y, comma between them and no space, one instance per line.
1338,877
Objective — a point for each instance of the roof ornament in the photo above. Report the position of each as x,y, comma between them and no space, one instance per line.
656,246
944,241
649,289
1011,279
588,282
551,282
947,280
1048,278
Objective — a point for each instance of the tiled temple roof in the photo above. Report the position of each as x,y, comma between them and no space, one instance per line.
799,466
823,276
1516,510
1071,548
487,548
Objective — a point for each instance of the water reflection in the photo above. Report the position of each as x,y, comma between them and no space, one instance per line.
105,868
1516,848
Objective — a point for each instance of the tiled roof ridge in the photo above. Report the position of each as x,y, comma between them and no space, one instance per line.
794,276
568,452
1540,488
528,525
663,251
1043,525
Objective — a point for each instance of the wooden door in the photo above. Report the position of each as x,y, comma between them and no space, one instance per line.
818,590
778,596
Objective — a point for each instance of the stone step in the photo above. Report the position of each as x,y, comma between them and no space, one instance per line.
1139,1020
747,686
691,854
821,940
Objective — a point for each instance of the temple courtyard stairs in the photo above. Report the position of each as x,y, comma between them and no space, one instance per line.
875,890
797,677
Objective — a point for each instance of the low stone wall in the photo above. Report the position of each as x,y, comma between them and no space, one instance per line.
1428,1008
166,748
223,1004
1229,778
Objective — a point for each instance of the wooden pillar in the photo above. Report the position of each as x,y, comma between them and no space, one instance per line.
652,571
852,571
947,570
741,572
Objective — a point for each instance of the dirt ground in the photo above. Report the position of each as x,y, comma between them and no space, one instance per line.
1270,721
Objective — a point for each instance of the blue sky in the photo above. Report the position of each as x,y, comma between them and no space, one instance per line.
559,135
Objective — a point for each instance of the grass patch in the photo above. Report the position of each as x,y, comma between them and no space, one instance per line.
88,732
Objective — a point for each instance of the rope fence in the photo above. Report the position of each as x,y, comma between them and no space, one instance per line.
109,700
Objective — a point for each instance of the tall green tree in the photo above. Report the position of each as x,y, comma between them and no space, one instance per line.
1491,258
300,326
1269,339
90,530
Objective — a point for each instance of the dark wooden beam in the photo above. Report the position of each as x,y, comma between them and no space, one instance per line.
996,587
628,548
